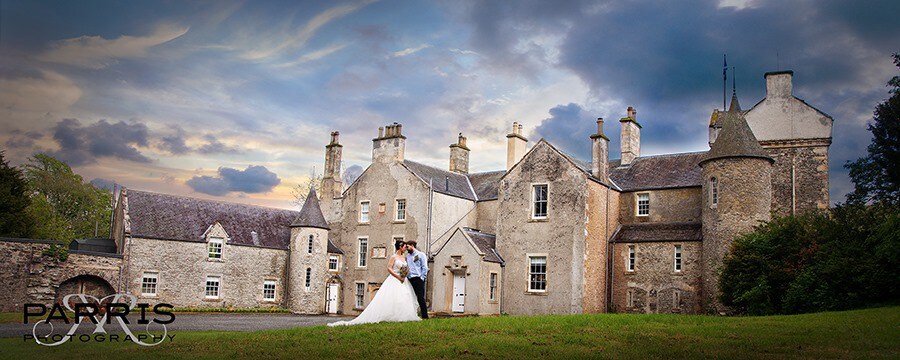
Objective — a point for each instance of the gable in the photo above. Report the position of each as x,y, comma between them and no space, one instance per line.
788,118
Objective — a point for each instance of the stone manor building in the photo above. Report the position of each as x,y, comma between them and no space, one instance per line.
549,234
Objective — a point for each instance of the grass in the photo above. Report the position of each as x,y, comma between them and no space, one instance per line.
10,317
870,333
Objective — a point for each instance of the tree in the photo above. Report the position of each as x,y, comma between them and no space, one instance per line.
63,206
14,221
302,190
877,176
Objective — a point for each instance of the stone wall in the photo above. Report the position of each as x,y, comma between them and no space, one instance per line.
800,176
27,276
487,213
744,201
654,281
602,220
561,237
477,272
667,205
183,266
303,299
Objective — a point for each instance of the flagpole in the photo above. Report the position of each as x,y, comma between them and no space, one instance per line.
724,78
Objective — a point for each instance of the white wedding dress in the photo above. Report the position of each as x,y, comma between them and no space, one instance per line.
394,302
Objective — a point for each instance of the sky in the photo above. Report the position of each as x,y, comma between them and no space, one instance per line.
236,100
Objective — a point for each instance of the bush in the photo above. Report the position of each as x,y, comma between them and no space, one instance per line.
848,258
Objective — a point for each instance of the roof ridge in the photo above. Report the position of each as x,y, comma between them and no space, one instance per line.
209,200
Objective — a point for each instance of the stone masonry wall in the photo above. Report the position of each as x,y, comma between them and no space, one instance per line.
654,281
668,205
602,213
804,167
183,266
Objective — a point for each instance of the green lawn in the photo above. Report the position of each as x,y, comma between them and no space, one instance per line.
10,317
872,333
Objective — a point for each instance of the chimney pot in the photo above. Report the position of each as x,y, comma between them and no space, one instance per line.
380,131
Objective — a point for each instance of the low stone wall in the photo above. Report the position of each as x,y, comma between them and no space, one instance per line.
27,276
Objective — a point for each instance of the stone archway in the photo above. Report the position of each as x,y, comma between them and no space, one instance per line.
84,284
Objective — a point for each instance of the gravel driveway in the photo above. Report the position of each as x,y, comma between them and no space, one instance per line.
187,322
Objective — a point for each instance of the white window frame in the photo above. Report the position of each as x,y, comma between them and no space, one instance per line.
534,201
309,244
362,254
359,298
493,279
337,262
274,290
637,204
530,258
364,216
218,287
631,259
713,192
677,257
308,278
150,275
221,247
398,211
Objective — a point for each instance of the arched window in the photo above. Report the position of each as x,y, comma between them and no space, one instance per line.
308,277
713,191
309,245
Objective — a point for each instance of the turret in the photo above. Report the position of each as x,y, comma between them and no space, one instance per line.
308,259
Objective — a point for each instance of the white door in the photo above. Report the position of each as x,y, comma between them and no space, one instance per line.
333,298
459,293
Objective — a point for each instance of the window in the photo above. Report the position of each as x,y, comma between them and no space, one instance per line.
148,283
215,248
360,295
269,290
630,298
309,244
364,212
212,287
363,252
401,210
713,192
676,299
539,199
677,258
643,204
493,284
308,277
537,273
629,263
333,261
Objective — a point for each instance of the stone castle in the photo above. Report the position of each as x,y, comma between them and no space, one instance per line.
550,234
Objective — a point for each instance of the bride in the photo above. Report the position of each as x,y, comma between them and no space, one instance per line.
395,301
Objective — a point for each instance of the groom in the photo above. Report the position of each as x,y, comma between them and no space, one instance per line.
418,272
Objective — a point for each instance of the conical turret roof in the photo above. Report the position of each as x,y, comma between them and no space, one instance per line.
311,213
735,139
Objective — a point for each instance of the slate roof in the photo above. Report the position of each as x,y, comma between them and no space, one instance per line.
476,186
486,243
486,184
311,213
172,217
658,172
658,232
334,249
735,139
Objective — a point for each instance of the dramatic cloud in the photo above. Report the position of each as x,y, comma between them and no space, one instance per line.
39,92
253,179
80,145
20,139
95,52
351,174
566,128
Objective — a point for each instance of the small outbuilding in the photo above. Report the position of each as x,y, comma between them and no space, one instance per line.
466,272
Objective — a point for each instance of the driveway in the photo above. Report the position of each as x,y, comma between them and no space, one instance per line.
184,322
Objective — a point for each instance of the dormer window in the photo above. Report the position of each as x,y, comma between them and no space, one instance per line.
309,244
215,248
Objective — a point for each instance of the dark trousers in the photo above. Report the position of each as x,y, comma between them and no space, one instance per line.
418,286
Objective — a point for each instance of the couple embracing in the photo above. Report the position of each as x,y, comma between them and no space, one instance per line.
401,292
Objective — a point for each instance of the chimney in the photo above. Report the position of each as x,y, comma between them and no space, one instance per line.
515,145
390,145
631,137
459,156
779,84
600,153
332,185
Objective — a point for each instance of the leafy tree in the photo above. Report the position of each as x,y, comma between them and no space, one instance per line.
877,176
62,204
14,221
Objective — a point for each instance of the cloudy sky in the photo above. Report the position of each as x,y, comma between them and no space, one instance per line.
236,100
